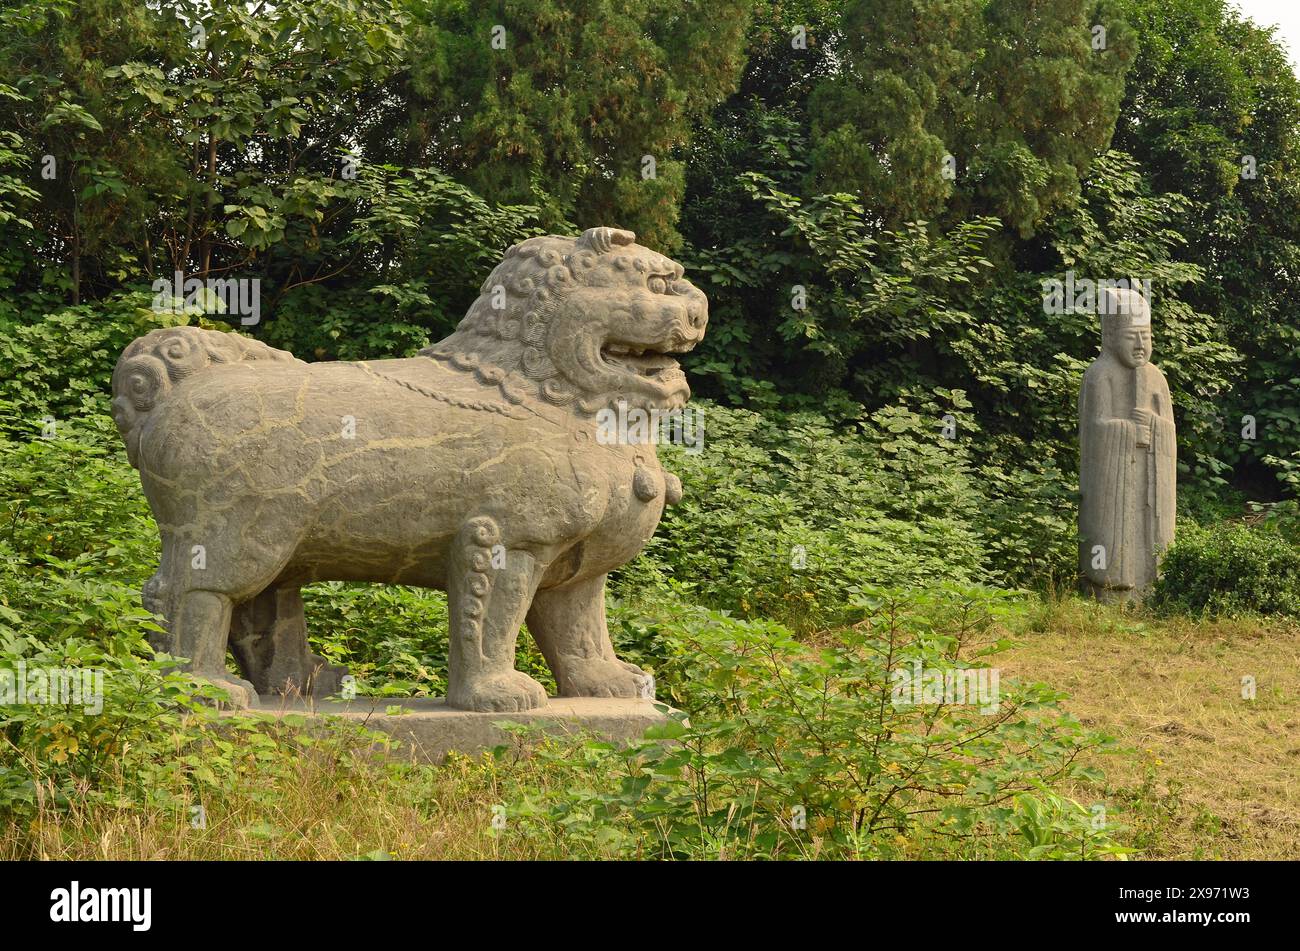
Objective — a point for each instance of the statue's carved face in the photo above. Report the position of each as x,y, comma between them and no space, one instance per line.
1126,326
618,333
1132,345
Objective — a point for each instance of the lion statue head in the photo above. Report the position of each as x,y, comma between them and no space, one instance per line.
589,322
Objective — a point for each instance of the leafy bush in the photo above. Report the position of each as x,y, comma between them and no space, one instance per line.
792,751
1230,569
60,362
438,240
151,746
76,539
786,515
69,748
393,638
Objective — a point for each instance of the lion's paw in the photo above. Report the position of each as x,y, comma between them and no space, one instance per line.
325,679
508,692
242,694
600,677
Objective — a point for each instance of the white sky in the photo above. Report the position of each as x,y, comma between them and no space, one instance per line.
1285,15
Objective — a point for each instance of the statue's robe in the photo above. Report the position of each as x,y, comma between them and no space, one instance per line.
1127,492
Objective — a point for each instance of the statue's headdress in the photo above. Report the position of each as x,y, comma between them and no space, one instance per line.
1121,308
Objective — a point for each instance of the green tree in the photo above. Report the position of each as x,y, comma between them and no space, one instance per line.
1212,110
963,108
567,104
85,166
883,124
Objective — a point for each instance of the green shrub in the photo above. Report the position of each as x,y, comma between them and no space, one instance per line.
60,362
150,742
792,752
76,538
393,638
316,322
786,515
1230,569
64,748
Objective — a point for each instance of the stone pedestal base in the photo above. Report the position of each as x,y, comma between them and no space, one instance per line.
1111,595
431,729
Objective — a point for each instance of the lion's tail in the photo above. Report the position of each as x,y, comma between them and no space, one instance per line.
154,363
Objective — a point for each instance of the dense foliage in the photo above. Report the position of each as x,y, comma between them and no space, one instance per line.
869,226
1232,569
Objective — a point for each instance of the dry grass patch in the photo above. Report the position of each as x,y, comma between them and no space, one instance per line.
1212,775
336,799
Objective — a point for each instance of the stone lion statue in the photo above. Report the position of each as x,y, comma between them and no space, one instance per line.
474,467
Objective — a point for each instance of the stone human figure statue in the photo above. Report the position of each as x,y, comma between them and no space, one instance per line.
1127,452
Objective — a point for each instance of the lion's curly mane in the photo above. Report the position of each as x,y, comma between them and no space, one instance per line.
506,345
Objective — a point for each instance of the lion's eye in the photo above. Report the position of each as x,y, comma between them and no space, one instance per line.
657,285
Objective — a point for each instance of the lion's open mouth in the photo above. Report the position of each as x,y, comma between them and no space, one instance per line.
641,361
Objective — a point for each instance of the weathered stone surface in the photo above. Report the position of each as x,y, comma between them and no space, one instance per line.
473,467
1127,455
431,729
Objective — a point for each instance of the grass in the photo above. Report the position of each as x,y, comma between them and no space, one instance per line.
330,798
1206,774
1210,775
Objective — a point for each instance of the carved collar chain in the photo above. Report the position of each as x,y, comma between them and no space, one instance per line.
487,406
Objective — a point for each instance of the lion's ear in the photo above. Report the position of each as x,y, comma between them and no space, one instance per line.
601,240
